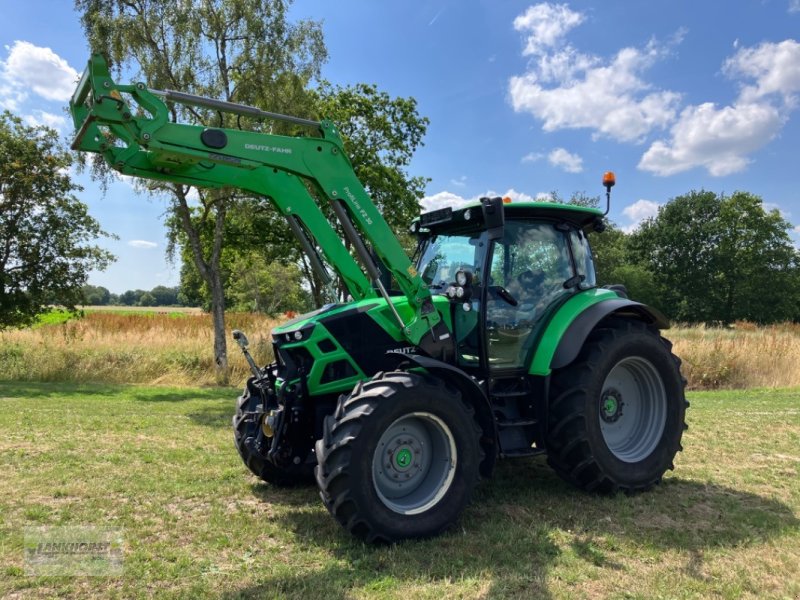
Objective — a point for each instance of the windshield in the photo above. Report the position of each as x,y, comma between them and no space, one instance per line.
445,254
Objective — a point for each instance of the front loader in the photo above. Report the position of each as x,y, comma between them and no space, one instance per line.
493,342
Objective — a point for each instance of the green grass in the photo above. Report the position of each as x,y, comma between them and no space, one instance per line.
159,463
55,317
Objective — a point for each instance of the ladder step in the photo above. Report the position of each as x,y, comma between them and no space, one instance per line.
522,452
509,394
516,422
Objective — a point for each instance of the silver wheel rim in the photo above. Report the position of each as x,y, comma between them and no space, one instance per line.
633,409
414,463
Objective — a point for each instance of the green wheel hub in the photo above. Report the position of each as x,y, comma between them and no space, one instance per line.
403,458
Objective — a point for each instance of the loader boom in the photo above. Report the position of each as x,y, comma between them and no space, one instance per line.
129,126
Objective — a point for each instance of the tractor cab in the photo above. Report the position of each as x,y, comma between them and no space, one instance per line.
505,267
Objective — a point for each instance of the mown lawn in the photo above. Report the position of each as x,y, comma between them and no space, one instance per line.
159,464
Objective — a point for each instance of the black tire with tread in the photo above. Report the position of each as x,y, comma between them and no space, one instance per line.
350,435
245,428
577,450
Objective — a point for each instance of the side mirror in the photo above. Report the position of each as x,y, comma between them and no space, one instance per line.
240,338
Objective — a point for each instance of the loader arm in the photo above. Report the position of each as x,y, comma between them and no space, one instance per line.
129,126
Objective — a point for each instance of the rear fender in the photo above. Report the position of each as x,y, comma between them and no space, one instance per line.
567,330
471,392
573,339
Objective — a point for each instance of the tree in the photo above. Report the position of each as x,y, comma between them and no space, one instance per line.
95,295
720,258
257,285
165,296
239,50
45,255
131,297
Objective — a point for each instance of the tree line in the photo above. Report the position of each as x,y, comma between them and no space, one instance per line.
708,258
161,295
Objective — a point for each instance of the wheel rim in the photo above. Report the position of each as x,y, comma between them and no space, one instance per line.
633,409
414,463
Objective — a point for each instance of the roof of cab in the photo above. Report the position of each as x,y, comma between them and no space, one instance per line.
581,216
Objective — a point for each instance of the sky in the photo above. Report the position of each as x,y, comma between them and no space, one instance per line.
523,98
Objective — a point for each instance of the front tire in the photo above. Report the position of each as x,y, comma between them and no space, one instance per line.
245,431
617,414
399,458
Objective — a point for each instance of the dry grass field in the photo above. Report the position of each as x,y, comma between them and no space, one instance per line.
123,346
174,348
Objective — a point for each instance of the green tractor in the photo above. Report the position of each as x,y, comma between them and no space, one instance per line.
494,341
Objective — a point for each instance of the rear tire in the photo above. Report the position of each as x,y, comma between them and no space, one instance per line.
245,431
617,413
399,458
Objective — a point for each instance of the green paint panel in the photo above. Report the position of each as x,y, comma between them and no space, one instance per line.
558,326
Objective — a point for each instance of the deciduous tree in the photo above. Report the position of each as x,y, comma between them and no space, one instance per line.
244,51
46,252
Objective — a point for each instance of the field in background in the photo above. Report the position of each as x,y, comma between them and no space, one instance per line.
122,346
183,310
744,356
130,345
159,464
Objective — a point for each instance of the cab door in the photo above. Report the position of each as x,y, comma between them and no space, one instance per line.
528,269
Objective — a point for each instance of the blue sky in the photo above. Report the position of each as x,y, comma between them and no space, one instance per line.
523,98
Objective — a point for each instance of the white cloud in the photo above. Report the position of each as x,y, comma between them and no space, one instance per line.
794,6
638,212
460,182
797,229
571,163
142,244
10,98
39,69
513,194
774,67
41,117
717,139
442,200
532,157
567,89
721,139
545,24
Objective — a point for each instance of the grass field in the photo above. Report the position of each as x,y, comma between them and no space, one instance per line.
159,464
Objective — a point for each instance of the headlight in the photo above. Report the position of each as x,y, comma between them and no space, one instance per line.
298,335
463,278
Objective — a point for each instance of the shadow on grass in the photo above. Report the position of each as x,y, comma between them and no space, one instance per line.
47,389
505,541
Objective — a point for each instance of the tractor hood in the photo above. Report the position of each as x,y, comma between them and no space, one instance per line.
340,344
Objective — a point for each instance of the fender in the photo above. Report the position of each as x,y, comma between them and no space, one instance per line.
574,337
471,391
572,311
